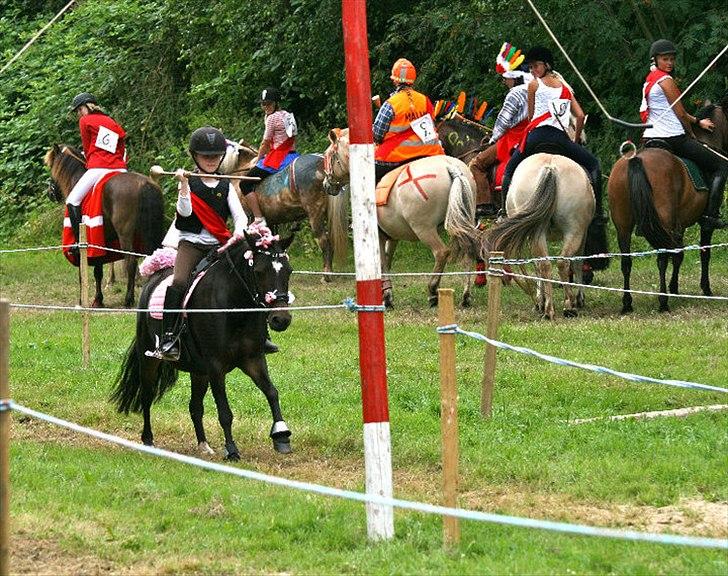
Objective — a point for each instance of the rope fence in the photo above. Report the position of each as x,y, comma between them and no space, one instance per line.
465,514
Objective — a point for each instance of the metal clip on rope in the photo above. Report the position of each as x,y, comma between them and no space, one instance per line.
352,306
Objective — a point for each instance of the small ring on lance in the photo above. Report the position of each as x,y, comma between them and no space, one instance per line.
628,147
156,171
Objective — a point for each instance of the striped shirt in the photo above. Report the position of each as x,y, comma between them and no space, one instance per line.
513,112
275,128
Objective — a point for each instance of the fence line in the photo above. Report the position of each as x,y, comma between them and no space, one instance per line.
549,525
455,329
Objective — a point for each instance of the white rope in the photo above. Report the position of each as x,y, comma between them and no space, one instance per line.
343,306
34,38
563,527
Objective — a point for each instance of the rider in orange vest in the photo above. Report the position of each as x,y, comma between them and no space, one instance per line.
404,128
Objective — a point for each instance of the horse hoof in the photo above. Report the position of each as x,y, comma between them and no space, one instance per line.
570,313
282,447
97,303
204,448
627,310
326,279
664,308
433,301
232,457
587,277
466,303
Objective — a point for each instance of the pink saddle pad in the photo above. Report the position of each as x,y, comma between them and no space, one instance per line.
156,302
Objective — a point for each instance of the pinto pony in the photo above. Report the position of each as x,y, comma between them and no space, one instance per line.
550,195
253,273
426,194
133,212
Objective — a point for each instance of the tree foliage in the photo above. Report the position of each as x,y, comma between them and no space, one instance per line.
165,67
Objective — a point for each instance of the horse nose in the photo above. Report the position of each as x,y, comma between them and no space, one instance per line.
279,320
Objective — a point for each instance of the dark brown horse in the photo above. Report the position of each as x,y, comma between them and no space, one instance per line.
652,191
133,211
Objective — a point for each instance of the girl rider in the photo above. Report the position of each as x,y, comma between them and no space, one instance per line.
404,128
674,126
103,147
550,104
277,150
203,206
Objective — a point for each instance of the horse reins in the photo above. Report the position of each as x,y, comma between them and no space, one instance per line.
255,297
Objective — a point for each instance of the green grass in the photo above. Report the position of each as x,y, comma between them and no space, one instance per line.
141,514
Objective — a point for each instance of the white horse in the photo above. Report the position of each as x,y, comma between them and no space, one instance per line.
427,193
550,197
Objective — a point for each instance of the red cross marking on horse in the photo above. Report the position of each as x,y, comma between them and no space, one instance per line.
410,178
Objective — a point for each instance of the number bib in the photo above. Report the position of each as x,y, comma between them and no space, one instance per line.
107,139
560,109
424,127
289,123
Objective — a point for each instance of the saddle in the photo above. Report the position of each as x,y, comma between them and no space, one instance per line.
696,175
384,186
93,216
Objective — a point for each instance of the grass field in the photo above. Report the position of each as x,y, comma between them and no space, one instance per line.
82,506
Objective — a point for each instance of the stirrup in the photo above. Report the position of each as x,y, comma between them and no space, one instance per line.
269,347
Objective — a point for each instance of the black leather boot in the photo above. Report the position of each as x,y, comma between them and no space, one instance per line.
171,324
711,218
75,216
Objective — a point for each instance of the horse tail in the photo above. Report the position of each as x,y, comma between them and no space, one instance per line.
515,232
150,218
643,207
460,217
338,219
127,392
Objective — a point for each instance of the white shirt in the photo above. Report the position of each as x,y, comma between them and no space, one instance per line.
665,122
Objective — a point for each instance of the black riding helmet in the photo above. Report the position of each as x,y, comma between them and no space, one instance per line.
662,46
81,99
270,94
207,141
540,54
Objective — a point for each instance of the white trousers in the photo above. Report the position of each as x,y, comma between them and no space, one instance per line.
86,183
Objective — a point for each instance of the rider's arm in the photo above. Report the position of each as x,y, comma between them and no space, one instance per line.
672,93
532,87
240,219
579,117
512,112
382,122
184,202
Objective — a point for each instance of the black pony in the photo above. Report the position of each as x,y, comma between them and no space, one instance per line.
253,273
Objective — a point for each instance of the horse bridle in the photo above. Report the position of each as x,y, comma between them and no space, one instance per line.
330,180
256,297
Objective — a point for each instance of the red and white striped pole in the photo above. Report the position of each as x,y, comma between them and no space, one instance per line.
372,359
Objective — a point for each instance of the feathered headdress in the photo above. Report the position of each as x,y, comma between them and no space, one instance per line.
508,60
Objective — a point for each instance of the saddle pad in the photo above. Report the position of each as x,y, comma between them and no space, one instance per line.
156,301
92,210
384,186
696,176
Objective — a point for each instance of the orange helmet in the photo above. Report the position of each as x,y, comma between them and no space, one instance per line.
403,72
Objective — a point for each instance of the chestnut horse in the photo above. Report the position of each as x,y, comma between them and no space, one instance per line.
133,211
651,190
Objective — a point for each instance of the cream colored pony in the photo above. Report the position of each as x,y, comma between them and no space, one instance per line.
550,197
430,192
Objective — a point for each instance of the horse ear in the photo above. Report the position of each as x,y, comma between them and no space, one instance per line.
334,135
286,242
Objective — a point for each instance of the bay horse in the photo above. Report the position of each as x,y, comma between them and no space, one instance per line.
133,211
462,140
550,196
300,191
253,273
651,190
426,194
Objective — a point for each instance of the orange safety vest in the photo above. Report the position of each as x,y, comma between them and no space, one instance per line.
400,142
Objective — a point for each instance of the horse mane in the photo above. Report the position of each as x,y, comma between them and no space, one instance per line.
66,165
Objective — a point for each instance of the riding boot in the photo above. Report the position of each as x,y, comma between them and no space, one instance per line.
596,235
711,218
75,216
171,324
268,346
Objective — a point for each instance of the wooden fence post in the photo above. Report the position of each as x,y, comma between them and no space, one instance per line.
448,417
4,439
491,331
83,274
